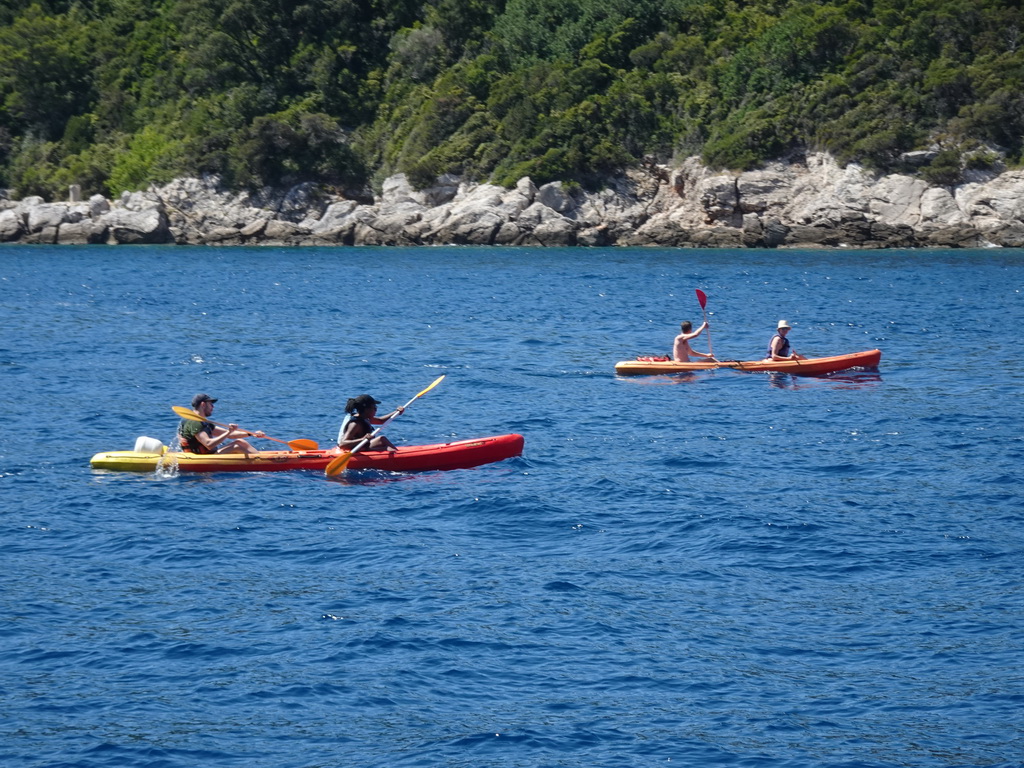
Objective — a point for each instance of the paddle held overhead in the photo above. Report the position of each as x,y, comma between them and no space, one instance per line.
703,299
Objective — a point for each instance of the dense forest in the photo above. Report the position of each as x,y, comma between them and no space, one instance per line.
116,94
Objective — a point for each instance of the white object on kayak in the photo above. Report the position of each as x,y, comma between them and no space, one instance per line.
148,445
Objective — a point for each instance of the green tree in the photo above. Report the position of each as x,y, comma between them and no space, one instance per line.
43,72
112,93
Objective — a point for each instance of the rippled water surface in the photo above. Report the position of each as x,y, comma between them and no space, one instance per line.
723,569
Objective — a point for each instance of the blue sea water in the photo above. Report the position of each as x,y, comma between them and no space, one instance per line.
722,569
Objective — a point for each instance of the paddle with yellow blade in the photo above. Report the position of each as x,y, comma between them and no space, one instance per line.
295,445
337,466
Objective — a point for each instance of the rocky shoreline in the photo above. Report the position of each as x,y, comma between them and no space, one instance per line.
809,202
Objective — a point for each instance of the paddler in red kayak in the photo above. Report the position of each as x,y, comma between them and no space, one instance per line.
204,437
360,416
779,348
681,349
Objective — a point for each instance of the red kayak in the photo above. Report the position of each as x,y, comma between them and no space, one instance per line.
461,454
814,366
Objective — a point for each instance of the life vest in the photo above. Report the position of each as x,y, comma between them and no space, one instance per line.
191,444
653,358
350,417
783,347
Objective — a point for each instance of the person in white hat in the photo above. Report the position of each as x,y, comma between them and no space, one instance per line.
779,348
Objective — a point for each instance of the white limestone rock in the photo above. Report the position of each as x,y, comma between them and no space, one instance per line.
135,227
12,225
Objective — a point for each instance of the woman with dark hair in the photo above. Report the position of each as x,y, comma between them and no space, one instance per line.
360,416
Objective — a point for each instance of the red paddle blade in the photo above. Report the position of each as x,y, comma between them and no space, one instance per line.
702,298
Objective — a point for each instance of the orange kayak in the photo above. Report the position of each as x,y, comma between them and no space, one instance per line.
814,366
461,454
